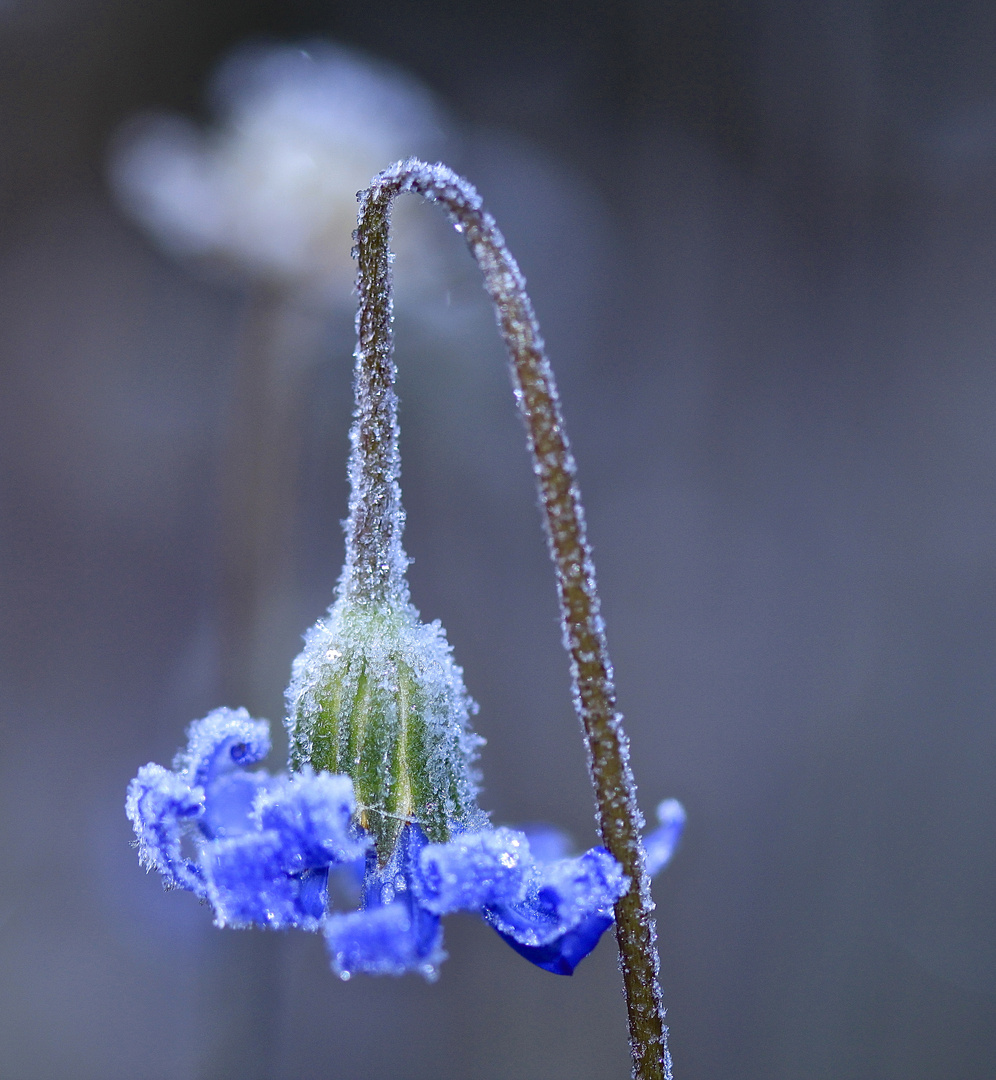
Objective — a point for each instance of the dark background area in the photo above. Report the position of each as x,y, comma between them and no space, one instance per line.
761,241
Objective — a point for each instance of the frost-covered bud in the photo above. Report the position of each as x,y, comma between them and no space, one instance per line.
376,695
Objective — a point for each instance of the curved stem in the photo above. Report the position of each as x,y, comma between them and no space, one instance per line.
619,819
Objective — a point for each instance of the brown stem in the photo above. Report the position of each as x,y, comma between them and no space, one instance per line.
618,816
375,560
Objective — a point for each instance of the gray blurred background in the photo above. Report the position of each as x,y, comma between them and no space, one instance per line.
761,241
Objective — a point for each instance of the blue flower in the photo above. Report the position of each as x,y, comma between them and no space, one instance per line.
259,849
260,846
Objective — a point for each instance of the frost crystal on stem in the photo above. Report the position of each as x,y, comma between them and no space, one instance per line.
618,814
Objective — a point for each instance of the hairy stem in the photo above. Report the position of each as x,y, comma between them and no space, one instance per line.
375,560
375,465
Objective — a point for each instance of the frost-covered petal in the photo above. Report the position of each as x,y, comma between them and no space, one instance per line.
567,907
577,887
662,842
312,813
393,933
159,805
248,884
388,940
473,870
261,846
224,739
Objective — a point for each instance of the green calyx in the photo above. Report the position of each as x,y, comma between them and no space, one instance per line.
375,694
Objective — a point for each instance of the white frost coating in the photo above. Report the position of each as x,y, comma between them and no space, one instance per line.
375,558
474,869
272,188
357,628
158,803
223,739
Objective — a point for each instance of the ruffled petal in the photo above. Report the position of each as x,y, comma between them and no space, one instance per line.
473,870
386,940
159,805
224,739
394,932
312,813
248,884
566,909
261,846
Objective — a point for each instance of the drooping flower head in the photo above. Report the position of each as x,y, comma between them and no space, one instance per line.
383,781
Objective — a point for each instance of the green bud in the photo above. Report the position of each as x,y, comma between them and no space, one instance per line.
375,694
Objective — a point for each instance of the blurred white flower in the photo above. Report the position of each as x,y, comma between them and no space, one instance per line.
271,190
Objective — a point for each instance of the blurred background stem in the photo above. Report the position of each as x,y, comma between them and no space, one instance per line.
258,627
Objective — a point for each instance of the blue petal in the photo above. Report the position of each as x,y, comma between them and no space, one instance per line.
276,874
159,805
248,884
393,933
386,940
663,842
223,739
562,955
566,909
229,800
312,813
313,896
263,844
473,870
